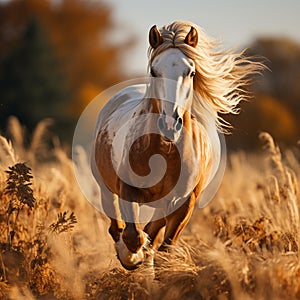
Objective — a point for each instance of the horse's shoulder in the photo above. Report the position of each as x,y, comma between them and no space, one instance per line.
125,98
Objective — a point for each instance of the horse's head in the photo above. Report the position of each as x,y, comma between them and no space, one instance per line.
172,84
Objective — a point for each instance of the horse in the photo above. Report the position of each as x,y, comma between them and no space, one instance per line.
156,144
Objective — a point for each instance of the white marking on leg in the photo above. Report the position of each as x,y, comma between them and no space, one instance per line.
128,259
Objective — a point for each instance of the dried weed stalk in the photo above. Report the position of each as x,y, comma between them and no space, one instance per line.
18,188
64,223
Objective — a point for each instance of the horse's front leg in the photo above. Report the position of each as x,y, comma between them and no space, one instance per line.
130,246
110,207
153,228
176,221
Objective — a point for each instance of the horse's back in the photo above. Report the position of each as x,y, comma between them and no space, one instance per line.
120,105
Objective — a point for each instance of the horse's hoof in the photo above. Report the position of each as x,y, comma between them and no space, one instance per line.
129,267
128,259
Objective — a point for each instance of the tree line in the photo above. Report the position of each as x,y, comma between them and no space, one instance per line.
56,56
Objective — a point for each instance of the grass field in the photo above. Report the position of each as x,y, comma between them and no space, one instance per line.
55,245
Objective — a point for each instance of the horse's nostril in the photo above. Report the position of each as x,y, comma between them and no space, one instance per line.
160,123
178,125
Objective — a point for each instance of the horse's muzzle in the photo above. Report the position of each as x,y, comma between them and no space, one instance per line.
170,127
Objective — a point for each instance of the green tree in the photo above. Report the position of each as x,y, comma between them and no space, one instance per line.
32,84
80,32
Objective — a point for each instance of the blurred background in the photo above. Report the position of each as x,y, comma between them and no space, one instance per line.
57,55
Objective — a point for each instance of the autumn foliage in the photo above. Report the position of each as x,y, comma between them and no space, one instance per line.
275,106
73,50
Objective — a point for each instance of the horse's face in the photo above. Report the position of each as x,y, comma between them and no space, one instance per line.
173,72
172,85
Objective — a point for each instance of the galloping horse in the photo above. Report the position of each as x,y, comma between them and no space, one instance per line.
156,143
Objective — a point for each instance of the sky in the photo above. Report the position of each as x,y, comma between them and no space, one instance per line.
235,23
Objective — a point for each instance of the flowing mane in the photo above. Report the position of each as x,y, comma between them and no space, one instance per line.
221,76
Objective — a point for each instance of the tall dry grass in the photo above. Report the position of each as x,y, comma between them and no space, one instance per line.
243,245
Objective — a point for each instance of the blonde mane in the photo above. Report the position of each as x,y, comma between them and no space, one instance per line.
221,76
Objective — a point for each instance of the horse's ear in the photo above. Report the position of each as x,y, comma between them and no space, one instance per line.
192,37
155,38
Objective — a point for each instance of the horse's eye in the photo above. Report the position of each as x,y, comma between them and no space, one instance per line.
193,74
152,72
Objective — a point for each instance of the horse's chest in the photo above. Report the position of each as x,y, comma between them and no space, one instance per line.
162,171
